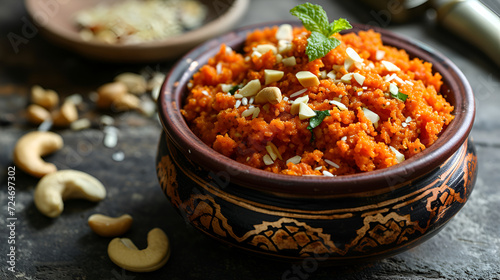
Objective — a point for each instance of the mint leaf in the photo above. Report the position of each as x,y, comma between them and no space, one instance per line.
339,25
313,17
318,45
317,120
400,96
315,20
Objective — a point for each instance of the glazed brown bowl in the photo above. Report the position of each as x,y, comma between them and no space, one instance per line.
344,218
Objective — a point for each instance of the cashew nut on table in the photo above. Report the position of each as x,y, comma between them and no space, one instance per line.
30,149
126,255
108,226
54,188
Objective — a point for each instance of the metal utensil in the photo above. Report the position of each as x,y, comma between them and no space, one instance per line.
469,19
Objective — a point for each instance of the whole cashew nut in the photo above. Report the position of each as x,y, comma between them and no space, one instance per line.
108,226
125,254
37,114
56,187
66,115
46,98
31,147
115,95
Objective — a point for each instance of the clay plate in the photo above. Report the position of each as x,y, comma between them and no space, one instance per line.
56,21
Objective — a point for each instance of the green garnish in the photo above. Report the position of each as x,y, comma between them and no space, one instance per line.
314,19
233,90
395,93
316,120
400,96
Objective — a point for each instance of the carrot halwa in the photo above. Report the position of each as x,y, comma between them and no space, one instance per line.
366,106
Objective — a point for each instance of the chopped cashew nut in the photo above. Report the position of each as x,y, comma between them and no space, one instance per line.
66,115
307,79
126,255
269,94
37,114
296,104
54,188
135,83
289,61
46,98
285,32
272,76
251,88
284,46
351,53
31,147
109,226
264,48
305,112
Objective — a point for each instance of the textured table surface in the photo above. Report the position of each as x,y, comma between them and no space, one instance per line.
64,248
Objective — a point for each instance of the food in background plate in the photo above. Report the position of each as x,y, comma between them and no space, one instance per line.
137,21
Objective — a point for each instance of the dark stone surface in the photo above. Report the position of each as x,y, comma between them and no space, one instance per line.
65,248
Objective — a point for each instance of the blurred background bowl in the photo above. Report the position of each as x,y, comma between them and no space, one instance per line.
56,20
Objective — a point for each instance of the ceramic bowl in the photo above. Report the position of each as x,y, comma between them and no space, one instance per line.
56,20
342,219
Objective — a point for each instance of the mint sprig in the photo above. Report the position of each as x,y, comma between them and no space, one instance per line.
314,19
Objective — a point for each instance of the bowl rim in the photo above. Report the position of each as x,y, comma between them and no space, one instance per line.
381,180
125,52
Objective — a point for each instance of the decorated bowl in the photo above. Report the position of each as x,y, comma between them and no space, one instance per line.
342,219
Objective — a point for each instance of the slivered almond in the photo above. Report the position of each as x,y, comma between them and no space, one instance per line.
274,149
399,156
359,78
391,67
372,116
294,160
267,160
